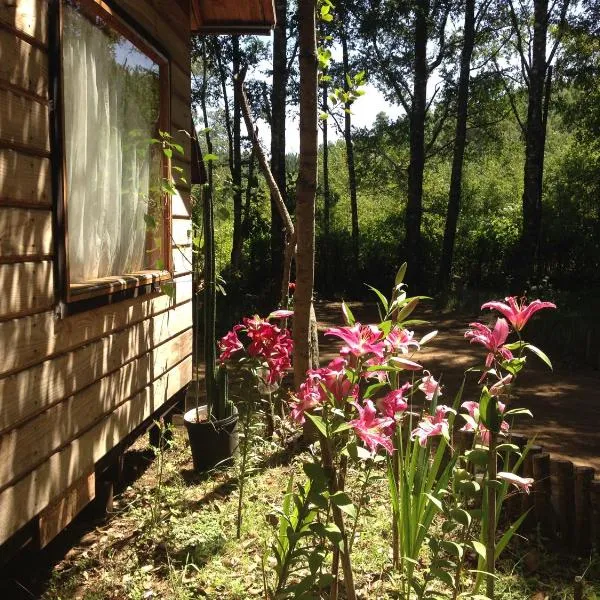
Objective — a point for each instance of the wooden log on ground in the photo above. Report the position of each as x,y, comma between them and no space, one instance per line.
542,494
528,500
583,510
595,501
562,475
512,504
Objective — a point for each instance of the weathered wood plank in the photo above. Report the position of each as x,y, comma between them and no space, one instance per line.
27,288
181,110
182,260
24,448
175,40
33,390
55,517
28,16
23,65
24,121
181,203
181,232
30,340
181,85
25,232
24,179
23,501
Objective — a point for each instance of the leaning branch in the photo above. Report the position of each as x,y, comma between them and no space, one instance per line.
273,187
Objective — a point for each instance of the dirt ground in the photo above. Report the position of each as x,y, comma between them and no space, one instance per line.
565,402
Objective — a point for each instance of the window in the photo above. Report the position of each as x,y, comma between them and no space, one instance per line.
114,102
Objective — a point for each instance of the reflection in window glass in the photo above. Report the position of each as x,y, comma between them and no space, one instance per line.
111,111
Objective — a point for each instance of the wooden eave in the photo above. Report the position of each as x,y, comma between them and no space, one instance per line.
255,17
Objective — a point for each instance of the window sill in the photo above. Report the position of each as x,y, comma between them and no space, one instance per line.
105,286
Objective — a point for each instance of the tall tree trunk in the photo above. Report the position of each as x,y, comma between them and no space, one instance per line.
326,262
459,145
278,110
306,189
534,141
236,175
414,206
350,153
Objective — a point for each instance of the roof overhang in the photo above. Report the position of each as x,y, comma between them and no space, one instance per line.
255,17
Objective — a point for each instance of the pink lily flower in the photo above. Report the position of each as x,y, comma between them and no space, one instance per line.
493,340
429,386
473,423
393,402
332,379
523,484
432,425
517,313
308,397
228,345
370,428
399,341
360,340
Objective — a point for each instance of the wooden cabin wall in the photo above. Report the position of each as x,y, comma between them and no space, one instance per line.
72,388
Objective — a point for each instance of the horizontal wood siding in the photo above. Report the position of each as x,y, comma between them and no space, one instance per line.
52,478
24,233
72,388
24,180
23,122
23,65
36,389
27,287
27,446
28,17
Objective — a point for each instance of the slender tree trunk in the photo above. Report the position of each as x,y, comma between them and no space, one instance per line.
459,145
306,189
326,262
278,110
414,206
350,154
249,187
535,140
236,175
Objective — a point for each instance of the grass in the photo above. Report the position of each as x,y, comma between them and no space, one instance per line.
190,550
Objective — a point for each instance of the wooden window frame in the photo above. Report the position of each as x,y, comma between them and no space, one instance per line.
73,297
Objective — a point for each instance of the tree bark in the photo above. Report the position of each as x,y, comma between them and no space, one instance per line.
459,146
414,206
278,110
534,141
350,153
236,174
306,189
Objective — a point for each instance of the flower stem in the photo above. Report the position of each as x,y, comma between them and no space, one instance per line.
490,549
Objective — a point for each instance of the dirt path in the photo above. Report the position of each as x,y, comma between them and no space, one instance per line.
565,402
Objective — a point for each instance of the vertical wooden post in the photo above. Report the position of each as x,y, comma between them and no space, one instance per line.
542,493
512,505
106,482
583,509
595,501
563,498
528,500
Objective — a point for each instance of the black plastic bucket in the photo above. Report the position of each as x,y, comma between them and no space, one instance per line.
213,443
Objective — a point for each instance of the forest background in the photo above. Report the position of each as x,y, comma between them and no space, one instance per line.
484,175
